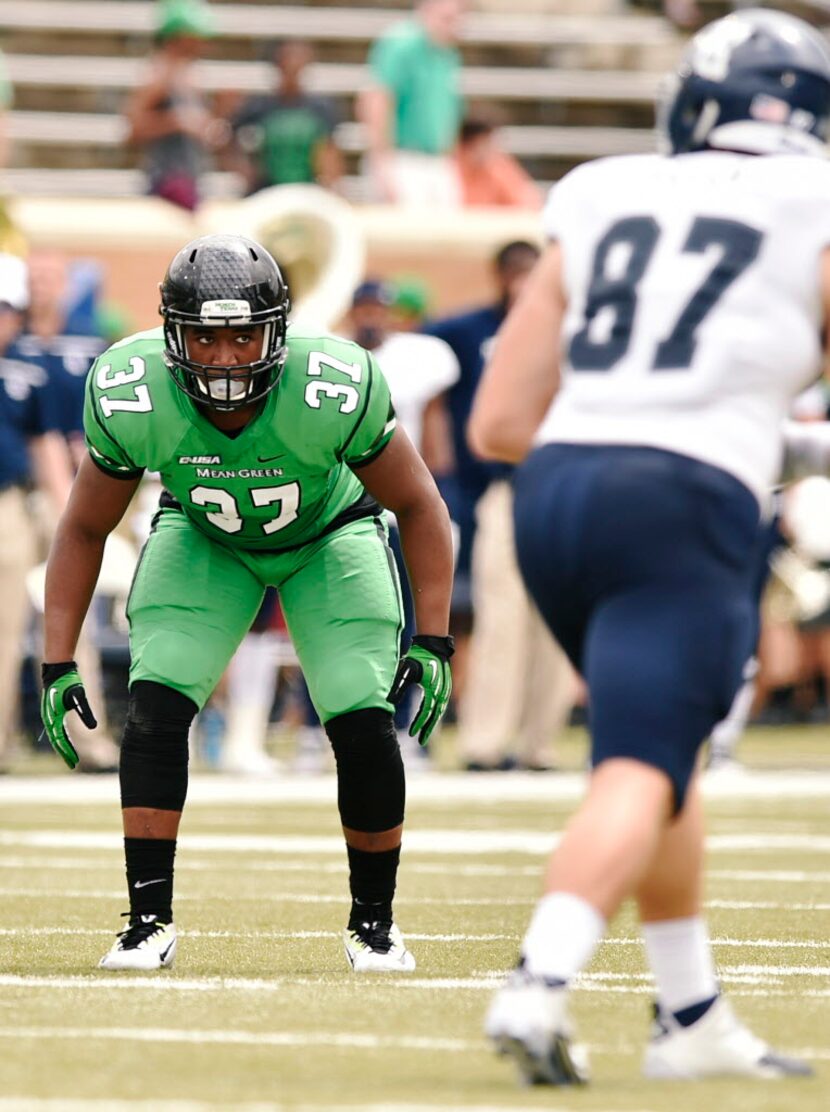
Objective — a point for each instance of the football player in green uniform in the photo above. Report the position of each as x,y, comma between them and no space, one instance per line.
277,451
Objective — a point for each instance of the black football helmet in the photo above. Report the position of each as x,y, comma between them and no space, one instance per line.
224,281
756,81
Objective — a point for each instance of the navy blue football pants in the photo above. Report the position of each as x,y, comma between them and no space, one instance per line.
641,561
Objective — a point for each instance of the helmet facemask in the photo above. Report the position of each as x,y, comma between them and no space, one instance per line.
241,384
224,282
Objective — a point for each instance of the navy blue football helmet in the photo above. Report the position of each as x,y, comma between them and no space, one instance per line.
756,81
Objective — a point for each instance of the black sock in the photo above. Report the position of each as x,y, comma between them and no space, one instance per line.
372,883
150,876
687,1016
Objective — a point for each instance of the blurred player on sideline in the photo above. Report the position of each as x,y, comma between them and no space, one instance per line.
277,449
684,299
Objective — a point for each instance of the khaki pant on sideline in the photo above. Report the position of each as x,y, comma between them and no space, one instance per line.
17,556
520,685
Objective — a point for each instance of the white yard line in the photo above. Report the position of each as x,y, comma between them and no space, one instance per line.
45,1104
22,892
293,1040
440,789
464,939
245,1038
254,897
107,1104
769,978
752,943
765,905
265,935
46,865
774,876
447,842
728,972
189,864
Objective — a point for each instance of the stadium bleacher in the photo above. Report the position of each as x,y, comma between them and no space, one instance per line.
574,80
573,86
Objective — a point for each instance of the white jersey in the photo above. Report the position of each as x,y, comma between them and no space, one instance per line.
418,368
694,313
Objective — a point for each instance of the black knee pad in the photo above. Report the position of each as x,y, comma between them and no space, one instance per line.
370,778
154,752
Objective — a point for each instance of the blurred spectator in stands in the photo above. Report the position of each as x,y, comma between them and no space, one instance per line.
59,337
490,176
412,109
685,14
60,334
418,368
31,448
288,135
5,104
519,687
411,303
168,115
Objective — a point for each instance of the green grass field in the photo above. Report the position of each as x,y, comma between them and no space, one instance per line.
261,1010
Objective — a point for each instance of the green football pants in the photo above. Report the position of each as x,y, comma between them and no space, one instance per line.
193,600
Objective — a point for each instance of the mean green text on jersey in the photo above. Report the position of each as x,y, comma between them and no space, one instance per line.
281,481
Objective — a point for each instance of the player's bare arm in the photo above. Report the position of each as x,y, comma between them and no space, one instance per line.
51,464
522,377
96,505
400,481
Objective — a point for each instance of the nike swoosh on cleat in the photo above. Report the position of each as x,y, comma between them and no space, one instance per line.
145,883
166,952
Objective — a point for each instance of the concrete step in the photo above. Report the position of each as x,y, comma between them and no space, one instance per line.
506,82
125,27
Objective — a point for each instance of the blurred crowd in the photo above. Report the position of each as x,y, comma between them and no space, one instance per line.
420,146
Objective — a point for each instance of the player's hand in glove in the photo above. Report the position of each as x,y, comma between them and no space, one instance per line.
63,690
428,664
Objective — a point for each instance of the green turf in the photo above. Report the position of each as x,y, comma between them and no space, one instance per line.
264,1017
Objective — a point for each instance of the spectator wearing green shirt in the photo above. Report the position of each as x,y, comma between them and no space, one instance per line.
5,105
287,136
412,109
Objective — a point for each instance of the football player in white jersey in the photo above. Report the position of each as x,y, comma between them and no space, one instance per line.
645,374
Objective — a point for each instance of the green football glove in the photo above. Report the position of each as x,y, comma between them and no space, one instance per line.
428,664
63,691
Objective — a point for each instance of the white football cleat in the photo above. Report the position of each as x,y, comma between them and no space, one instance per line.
377,948
528,1020
717,1045
146,944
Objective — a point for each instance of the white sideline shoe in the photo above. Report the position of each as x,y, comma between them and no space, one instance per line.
254,764
717,1045
146,944
528,1020
377,948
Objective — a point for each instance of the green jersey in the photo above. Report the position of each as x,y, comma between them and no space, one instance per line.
285,478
